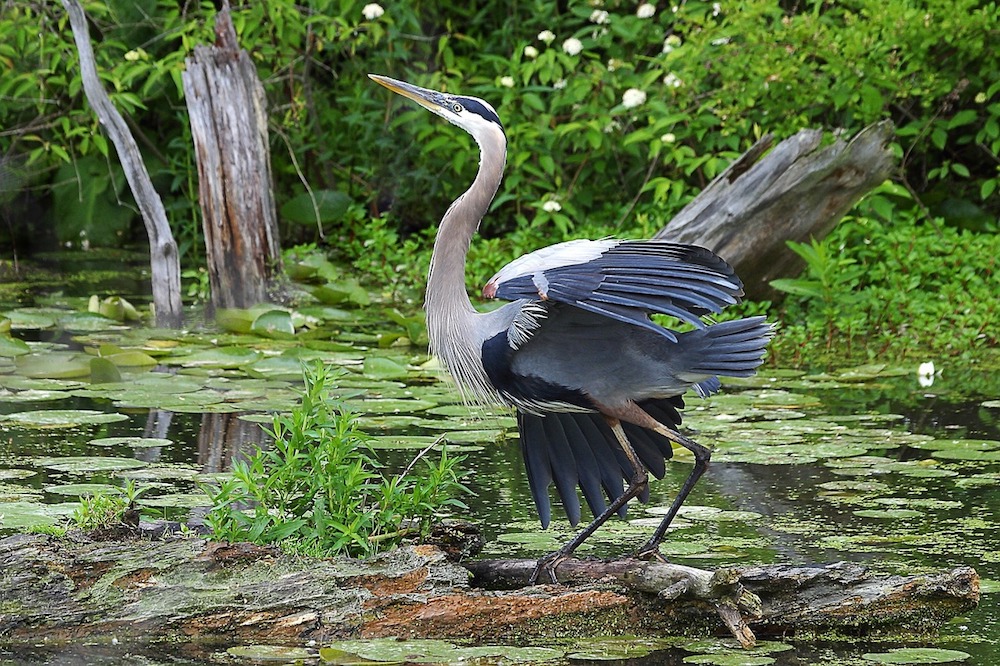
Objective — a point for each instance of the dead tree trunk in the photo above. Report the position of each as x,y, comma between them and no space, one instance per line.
164,260
226,104
797,191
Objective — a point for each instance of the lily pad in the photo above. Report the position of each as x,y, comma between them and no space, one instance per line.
85,464
23,515
82,489
10,347
919,655
134,442
270,653
54,365
62,418
16,473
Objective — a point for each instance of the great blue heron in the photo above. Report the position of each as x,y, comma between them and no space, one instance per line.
596,383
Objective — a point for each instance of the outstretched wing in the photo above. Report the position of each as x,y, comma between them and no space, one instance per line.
623,280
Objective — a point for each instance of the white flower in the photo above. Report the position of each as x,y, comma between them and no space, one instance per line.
546,36
668,137
613,64
530,52
646,10
721,41
572,46
925,374
671,43
612,127
633,97
716,9
551,206
599,16
559,85
507,81
671,81
372,11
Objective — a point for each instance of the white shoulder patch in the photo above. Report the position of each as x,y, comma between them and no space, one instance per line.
554,256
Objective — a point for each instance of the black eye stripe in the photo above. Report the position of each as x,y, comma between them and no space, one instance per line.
474,106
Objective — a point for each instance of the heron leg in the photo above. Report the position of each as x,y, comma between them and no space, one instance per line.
702,455
639,480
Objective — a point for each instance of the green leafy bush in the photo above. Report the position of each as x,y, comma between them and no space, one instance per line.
318,490
887,282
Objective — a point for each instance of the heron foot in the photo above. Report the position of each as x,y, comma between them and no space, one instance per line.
650,552
548,564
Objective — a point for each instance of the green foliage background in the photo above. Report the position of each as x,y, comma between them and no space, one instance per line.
713,77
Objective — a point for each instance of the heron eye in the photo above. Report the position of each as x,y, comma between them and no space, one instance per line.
456,107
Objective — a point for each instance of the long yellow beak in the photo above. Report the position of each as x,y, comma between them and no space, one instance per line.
431,100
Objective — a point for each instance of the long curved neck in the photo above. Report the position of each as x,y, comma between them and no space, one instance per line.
446,293
451,319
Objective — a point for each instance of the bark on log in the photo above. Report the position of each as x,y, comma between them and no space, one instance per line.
796,191
227,107
164,260
187,587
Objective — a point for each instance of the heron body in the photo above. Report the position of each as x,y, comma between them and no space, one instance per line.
596,383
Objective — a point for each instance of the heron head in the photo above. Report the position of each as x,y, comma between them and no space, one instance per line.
472,114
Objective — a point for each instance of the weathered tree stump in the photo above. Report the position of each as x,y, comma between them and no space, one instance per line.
164,259
796,191
227,108
179,588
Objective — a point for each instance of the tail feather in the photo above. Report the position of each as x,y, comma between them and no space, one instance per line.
730,348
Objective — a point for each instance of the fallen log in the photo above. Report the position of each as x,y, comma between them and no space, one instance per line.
187,587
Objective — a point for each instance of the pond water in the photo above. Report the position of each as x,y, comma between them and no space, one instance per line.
864,464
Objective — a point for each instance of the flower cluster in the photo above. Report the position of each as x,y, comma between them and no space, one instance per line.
372,11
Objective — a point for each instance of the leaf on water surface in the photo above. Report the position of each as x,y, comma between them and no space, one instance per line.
103,371
10,347
87,322
134,442
16,473
380,367
54,365
270,653
919,655
61,418
32,395
177,501
82,489
892,514
220,357
730,659
33,318
390,406
24,515
276,324
85,464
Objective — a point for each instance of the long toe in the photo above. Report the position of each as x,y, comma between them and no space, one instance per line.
547,566
650,552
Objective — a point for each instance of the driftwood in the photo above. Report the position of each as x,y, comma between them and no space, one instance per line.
796,191
227,108
164,259
175,588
